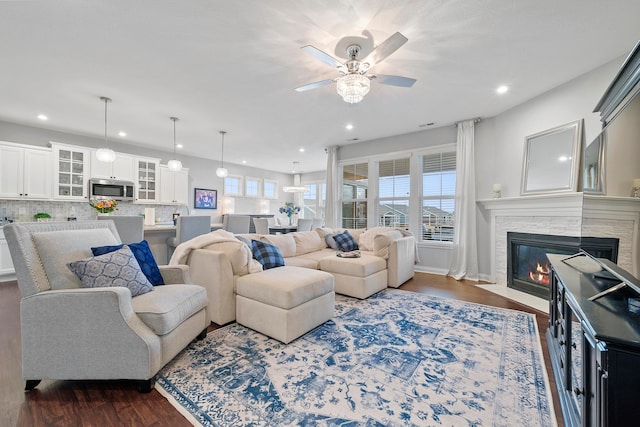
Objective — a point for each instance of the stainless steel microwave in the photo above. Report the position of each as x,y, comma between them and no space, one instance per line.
111,188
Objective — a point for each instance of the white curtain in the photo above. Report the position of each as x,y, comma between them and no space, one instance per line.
332,204
464,259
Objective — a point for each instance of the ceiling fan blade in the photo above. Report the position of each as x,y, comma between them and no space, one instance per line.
314,85
384,49
324,57
393,80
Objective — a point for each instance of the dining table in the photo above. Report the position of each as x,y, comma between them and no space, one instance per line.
282,229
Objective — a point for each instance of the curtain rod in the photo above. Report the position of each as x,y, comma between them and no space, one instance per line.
476,120
326,149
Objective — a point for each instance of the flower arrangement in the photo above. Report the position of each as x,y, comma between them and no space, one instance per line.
103,205
289,209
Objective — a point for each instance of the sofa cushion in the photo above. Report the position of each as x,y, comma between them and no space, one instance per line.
307,241
301,285
285,242
382,241
345,242
58,248
117,268
168,306
267,254
365,241
143,255
235,251
358,267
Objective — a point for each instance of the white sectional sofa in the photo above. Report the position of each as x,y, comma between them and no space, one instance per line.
388,258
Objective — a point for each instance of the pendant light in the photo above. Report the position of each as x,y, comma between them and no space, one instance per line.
222,172
105,154
174,165
296,187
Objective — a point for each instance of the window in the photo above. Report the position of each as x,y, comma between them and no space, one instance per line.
252,187
438,196
270,190
393,193
233,186
314,200
355,184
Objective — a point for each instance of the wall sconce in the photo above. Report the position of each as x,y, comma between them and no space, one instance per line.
497,191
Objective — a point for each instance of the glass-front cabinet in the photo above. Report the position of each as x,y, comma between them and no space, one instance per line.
71,165
147,178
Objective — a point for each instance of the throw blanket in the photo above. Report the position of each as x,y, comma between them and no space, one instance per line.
181,254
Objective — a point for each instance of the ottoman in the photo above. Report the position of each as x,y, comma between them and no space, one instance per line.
357,277
284,302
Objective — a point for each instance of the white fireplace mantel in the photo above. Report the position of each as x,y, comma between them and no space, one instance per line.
567,214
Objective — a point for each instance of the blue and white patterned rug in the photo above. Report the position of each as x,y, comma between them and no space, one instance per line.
396,359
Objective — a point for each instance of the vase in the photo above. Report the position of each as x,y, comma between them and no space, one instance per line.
290,220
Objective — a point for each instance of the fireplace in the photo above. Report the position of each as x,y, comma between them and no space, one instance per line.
528,269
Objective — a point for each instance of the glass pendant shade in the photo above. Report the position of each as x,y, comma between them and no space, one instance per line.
353,87
174,165
222,172
105,154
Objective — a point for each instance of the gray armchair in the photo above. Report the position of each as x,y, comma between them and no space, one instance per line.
70,332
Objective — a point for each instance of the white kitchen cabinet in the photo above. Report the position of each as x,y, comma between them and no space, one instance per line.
147,180
6,265
122,168
174,186
24,171
70,175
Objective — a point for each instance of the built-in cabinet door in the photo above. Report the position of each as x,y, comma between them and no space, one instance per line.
174,186
147,190
25,172
6,266
122,168
71,165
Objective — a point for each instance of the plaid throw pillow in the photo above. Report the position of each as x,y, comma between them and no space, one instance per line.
267,254
345,242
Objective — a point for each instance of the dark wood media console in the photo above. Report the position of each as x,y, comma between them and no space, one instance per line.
594,345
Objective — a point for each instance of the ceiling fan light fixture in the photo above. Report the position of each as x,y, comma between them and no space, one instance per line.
105,154
353,87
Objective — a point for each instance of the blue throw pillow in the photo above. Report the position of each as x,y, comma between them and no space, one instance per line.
143,255
267,254
117,268
345,242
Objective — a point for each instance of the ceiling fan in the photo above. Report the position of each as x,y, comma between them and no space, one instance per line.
354,82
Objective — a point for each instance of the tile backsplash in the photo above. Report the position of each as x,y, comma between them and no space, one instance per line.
23,210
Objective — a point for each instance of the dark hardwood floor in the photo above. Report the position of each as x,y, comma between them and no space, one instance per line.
118,403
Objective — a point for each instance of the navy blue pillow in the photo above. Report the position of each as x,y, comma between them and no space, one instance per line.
143,255
267,254
345,242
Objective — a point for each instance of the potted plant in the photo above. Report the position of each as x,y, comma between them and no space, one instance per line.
42,217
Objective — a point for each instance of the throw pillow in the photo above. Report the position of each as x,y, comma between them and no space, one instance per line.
143,255
345,242
117,268
331,242
267,254
244,240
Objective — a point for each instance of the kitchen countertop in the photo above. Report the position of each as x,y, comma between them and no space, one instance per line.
167,226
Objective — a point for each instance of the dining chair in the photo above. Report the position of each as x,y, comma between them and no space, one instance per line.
304,224
317,223
188,227
129,227
261,225
238,224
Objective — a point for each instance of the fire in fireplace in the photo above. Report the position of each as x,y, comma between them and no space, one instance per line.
528,268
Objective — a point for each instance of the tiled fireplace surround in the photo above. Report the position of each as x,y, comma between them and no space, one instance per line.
564,214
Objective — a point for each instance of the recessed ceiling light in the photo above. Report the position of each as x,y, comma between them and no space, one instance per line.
244,162
424,125
301,150
122,134
502,89
43,117
179,145
349,126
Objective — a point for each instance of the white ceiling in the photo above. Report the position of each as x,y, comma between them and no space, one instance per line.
233,65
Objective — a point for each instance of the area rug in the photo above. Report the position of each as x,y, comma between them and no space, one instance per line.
396,359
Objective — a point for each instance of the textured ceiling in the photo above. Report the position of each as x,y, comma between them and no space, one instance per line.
233,65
